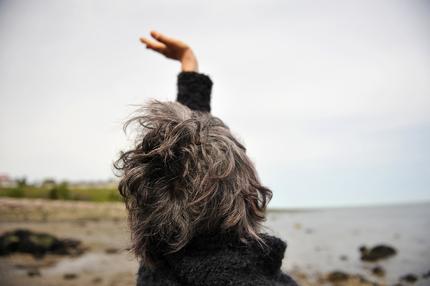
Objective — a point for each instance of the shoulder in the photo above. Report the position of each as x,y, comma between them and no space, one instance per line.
160,277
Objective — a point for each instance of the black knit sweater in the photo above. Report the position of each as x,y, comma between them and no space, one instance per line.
194,90
216,259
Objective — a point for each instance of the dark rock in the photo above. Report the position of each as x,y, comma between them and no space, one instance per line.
96,280
111,250
409,278
33,272
70,276
376,253
343,257
337,276
426,275
37,244
378,271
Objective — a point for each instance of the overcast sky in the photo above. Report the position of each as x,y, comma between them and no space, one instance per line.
331,98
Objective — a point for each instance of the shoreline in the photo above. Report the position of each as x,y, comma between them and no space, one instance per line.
102,228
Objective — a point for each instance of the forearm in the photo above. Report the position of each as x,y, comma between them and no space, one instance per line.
189,61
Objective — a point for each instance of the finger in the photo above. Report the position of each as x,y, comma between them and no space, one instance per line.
159,47
165,39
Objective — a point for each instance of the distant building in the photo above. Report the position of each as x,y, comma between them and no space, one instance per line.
7,182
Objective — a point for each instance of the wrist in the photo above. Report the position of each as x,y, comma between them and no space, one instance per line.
189,61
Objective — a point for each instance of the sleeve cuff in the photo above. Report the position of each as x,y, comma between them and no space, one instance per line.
194,90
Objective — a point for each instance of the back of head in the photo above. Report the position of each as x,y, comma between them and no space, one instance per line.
186,175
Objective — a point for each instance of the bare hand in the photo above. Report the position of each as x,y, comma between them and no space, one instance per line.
172,49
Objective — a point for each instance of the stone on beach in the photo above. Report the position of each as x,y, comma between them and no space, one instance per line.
377,253
37,244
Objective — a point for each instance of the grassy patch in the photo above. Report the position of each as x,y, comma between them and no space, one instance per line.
62,192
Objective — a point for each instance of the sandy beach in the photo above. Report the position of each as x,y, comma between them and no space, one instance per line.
323,245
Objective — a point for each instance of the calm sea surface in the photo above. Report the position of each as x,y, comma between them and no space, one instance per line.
325,240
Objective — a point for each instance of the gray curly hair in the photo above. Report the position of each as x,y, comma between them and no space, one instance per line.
187,175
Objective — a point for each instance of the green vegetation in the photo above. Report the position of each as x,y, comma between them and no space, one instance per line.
60,191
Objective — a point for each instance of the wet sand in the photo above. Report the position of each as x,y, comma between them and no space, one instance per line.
101,227
319,242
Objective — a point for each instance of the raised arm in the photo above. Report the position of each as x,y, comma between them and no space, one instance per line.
194,88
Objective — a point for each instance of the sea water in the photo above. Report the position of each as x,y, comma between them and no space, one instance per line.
325,240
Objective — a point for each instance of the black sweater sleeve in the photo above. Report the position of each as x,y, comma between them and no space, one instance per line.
194,90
